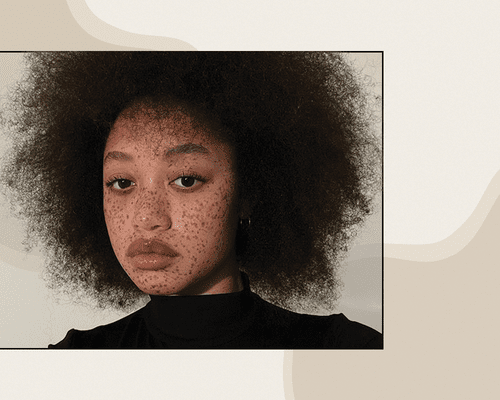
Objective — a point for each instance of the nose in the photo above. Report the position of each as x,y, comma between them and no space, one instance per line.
152,212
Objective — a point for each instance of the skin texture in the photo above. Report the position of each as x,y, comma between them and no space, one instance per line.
160,184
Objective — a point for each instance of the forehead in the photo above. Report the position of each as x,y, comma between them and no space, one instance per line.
160,128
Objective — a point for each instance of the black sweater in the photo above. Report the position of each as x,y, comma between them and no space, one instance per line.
239,320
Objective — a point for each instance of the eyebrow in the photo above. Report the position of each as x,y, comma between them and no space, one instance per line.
117,155
188,148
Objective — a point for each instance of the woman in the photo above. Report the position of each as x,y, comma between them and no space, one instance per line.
190,177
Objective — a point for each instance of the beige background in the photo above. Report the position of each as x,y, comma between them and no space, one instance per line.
440,329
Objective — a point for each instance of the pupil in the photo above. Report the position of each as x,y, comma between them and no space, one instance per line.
122,183
187,181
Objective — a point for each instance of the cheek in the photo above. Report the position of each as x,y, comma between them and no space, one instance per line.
209,223
117,216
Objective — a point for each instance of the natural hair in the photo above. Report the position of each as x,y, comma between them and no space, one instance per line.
301,127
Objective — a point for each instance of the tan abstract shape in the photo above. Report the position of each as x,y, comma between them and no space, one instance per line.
69,25
108,33
440,332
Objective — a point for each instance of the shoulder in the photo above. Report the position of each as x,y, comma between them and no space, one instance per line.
347,334
305,331
113,335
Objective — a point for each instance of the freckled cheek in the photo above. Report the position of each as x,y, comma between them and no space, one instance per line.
117,216
205,221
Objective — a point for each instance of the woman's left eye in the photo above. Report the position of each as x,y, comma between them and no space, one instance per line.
187,181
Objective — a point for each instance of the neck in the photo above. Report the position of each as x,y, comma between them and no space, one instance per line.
226,280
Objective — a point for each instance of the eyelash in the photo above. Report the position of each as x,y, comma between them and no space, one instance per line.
115,179
191,175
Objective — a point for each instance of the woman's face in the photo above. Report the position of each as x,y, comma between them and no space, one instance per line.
170,204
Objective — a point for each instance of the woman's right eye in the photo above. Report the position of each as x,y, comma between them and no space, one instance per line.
120,184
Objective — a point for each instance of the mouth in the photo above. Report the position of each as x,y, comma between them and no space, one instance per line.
150,254
154,246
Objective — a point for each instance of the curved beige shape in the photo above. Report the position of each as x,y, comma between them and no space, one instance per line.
455,242
69,25
103,31
441,332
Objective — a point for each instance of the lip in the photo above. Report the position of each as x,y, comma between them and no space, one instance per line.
150,246
150,254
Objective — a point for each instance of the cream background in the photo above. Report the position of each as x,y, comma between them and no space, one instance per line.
440,337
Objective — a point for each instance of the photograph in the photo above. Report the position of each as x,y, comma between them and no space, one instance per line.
192,200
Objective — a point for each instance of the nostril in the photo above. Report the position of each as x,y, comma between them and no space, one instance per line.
152,212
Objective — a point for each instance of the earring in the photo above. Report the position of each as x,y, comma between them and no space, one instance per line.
245,222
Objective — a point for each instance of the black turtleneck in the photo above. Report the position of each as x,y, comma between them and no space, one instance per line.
239,320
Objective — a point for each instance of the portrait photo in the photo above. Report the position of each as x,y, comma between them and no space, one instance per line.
191,200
